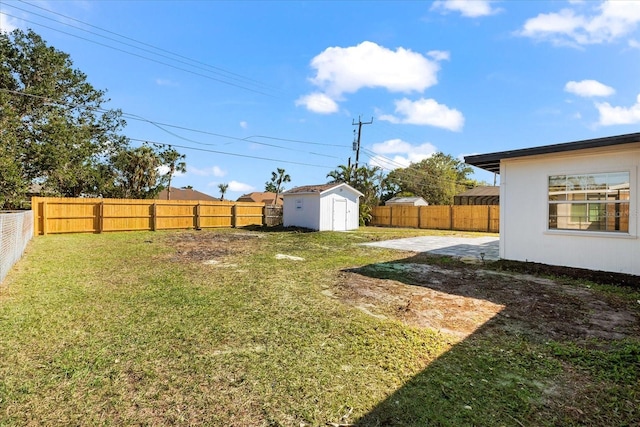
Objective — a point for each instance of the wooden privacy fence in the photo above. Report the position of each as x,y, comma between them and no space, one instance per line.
67,215
463,218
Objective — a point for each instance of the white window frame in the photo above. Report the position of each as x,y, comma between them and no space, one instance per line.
568,198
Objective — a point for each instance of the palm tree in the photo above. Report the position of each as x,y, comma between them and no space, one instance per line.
275,185
342,174
175,161
223,189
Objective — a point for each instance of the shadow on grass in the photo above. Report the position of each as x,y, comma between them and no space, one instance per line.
276,229
549,357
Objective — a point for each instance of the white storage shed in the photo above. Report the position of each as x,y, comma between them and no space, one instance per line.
326,207
573,204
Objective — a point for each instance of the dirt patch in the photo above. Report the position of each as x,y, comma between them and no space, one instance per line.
211,248
458,299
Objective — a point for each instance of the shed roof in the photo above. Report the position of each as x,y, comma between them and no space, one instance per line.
319,189
491,161
405,200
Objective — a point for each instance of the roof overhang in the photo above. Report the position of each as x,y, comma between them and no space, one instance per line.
491,161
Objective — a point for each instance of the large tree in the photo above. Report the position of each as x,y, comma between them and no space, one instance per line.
136,174
436,179
53,128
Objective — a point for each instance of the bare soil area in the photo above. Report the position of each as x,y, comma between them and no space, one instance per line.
457,300
195,246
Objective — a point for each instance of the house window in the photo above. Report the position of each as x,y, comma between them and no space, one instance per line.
589,202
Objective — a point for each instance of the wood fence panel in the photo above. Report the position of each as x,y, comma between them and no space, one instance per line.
216,216
470,218
464,218
272,215
67,218
405,216
381,216
126,215
67,215
435,217
248,214
494,218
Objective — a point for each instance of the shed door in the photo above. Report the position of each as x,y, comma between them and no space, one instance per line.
339,215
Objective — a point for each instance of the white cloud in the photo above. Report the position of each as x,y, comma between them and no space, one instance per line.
588,88
395,153
425,112
212,171
7,24
342,70
239,186
244,124
165,82
634,44
163,170
318,103
468,8
439,55
346,70
610,115
609,21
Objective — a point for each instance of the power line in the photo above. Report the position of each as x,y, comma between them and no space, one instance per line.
144,57
159,125
230,154
135,40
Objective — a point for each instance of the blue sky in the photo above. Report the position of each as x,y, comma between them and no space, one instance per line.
243,88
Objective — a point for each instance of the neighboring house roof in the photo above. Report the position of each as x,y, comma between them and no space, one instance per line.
486,195
482,191
415,201
185,194
491,161
319,189
265,197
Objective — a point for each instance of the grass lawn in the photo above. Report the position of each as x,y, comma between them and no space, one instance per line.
210,328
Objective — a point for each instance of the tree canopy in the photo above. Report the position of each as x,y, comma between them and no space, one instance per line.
436,179
55,131
276,185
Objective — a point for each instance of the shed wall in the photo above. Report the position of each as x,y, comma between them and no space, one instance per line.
524,233
301,210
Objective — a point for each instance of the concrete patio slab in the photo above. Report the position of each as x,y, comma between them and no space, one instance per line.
459,247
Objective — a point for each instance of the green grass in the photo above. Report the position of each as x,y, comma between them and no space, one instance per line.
114,329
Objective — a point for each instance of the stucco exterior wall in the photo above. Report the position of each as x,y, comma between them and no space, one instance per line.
524,231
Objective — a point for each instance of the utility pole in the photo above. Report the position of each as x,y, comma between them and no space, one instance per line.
356,143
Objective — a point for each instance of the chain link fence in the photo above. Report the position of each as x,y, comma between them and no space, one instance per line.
16,229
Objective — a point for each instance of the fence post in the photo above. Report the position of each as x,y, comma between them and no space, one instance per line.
391,216
233,216
154,216
44,218
198,213
419,209
451,217
488,219
101,217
